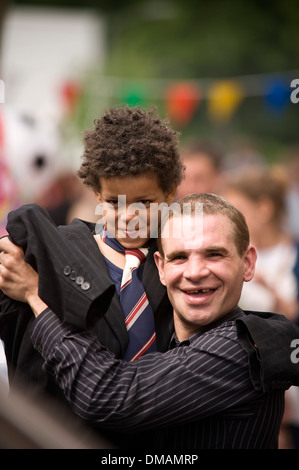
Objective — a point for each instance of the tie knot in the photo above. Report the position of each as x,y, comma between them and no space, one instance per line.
133,260
139,254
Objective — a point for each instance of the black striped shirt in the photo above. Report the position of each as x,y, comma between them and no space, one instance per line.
196,396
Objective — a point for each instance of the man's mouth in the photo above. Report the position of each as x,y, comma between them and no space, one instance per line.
199,291
198,295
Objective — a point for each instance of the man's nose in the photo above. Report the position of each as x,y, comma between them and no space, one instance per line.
196,269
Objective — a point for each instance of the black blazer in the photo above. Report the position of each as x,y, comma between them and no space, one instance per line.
74,282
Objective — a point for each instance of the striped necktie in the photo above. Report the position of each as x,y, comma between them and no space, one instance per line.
139,318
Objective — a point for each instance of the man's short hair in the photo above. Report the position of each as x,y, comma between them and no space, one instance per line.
213,204
131,141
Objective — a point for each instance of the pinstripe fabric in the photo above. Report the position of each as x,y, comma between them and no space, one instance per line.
198,396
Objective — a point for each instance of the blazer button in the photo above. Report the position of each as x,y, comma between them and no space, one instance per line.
79,280
73,275
85,285
67,270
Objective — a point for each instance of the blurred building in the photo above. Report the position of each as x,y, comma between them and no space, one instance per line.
45,49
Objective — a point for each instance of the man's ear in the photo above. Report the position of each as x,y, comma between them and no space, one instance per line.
249,260
159,260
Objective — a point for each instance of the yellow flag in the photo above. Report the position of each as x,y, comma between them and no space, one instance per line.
224,97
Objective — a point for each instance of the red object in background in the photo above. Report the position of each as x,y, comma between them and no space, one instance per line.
182,100
70,92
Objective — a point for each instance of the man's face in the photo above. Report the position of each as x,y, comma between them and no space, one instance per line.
131,225
203,279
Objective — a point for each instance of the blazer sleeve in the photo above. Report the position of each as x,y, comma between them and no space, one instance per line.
267,338
68,280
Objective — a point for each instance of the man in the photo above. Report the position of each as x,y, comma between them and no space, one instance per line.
221,383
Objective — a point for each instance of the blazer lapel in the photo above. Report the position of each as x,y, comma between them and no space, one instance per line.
82,234
154,289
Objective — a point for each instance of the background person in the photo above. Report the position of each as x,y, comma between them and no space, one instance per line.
260,194
203,163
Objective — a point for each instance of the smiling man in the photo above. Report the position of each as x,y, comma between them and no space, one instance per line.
204,277
222,382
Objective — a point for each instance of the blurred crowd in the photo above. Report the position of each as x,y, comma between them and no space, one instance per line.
268,196
266,193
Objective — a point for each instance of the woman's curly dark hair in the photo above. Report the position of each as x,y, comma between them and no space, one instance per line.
130,141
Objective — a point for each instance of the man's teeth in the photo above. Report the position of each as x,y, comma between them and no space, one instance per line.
201,291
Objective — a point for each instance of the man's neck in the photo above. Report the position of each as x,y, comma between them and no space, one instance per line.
185,331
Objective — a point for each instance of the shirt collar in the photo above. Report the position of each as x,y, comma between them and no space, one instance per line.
231,316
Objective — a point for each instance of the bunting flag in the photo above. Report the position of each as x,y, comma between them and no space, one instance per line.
277,95
224,97
181,102
134,95
70,93
181,99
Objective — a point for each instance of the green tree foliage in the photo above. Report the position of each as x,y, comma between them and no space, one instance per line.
189,39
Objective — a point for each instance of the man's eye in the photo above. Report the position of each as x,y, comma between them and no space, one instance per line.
145,202
177,258
215,255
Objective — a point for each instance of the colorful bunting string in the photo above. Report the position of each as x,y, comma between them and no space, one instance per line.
182,98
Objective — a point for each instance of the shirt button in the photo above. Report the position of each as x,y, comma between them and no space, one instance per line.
73,275
67,270
85,285
79,280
